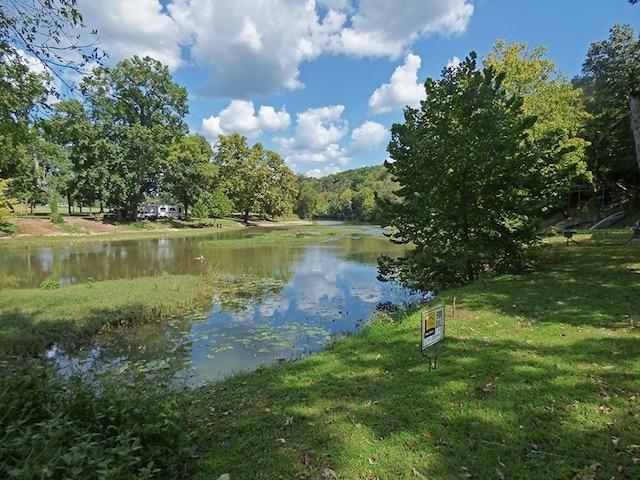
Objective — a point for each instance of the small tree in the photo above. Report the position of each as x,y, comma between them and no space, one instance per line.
469,182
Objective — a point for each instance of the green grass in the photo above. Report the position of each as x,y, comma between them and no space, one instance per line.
31,319
538,378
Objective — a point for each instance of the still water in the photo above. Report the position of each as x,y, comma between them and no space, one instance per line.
295,300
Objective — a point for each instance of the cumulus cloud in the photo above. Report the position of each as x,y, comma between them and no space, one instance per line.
323,172
367,137
240,117
317,129
141,28
454,62
403,89
385,29
255,47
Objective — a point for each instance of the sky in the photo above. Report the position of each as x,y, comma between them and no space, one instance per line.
321,81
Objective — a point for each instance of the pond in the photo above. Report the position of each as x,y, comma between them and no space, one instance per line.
296,298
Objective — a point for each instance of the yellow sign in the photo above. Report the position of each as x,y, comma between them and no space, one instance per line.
432,326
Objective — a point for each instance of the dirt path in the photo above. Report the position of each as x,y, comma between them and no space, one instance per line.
74,226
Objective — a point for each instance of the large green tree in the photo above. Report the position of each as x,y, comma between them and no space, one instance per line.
189,171
140,110
558,108
255,179
471,190
49,32
611,81
22,91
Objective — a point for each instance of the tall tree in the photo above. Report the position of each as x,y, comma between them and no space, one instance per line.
140,110
611,80
22,92
47,30
470,186
279,189
255,179
557,106
188,171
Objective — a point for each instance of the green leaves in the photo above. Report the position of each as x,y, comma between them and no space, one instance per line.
471,189
255,179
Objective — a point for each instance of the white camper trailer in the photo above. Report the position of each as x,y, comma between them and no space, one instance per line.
170,211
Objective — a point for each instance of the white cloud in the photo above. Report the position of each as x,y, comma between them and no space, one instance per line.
384,28
317,129
323,172
454,62
368,137
141,28
402,90
251,47
240,117
316,139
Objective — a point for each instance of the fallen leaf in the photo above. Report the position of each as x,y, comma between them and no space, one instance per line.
328,473
426,433
281,440
594,467
416,473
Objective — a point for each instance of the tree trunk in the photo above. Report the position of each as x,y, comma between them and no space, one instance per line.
634,104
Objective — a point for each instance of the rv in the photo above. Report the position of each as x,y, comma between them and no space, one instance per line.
170,211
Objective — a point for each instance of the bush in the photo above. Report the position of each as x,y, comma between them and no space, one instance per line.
56,427
49,284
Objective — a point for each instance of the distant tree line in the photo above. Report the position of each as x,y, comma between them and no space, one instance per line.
349,195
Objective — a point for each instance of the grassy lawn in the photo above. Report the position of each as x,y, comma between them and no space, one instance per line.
538,377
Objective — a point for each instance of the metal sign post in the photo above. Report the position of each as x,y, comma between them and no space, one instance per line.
432,331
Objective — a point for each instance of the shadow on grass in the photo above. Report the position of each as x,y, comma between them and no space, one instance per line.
32,333
492,406
590,285
537,378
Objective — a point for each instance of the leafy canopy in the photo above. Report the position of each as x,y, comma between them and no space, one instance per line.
471,189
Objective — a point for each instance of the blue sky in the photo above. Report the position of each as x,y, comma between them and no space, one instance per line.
322,81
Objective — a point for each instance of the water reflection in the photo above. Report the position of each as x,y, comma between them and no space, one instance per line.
295,300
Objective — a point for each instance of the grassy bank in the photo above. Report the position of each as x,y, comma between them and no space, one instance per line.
538,377
32,319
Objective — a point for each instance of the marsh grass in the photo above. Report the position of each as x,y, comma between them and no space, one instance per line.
32,319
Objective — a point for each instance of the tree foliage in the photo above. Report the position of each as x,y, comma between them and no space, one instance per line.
188,172
471,189
49,31
611,72
255,179
558,108
139,111
348,195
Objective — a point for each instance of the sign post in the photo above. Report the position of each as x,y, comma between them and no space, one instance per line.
432,331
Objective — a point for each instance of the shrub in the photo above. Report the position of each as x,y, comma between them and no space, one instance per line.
49,284
56,427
